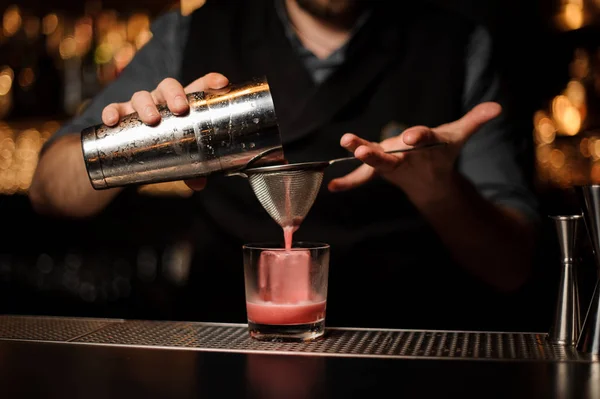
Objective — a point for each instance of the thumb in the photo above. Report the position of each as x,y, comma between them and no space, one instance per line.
463,128
209,81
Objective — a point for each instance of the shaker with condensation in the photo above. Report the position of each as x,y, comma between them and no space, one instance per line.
225,131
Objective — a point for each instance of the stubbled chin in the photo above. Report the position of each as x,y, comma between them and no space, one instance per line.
332,10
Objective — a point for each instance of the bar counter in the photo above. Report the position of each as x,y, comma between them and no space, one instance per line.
111,358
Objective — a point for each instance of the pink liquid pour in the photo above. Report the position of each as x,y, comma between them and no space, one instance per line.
288,236
289,230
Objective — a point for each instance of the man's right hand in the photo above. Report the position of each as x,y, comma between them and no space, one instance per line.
169,92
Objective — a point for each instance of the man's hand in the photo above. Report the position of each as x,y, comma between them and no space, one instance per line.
419,173
492,242
169,92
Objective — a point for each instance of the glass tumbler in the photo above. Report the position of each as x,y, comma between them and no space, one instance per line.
286,291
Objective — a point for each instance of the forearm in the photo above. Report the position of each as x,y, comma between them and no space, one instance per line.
61,185
493,243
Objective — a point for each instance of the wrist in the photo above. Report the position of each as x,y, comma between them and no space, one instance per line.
435,194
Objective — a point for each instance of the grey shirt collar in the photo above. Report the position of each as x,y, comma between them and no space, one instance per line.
319,69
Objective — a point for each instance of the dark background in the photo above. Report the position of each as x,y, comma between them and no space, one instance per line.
133,261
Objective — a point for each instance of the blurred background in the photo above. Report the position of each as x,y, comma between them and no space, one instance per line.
55,55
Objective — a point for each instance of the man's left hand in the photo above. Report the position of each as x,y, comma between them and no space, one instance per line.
419,172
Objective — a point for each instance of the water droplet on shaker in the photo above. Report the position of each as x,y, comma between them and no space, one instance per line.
252,145
256,120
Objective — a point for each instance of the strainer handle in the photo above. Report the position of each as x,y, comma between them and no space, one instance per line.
421,147
240,171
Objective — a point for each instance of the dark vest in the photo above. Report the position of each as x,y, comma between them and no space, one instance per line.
403,68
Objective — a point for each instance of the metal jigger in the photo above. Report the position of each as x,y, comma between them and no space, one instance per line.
567,320
589,198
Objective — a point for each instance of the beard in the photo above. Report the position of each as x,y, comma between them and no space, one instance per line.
339,12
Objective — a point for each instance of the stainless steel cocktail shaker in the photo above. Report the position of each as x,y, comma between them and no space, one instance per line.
589,199
224,131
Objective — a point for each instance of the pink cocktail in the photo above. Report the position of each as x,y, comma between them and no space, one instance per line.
286,291
285,314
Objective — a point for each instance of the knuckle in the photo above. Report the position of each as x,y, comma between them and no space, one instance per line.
139,96
170,85
168,82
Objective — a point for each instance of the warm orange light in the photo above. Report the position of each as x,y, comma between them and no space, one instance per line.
124,56
575,92
572,16
68,47
557,159
542,154
83,35
559,105
5,84
595,149
6,70
136,24
115,39
189,6
11,21
49,24
142,39
571,121
546,130
595,173
567,117
584,147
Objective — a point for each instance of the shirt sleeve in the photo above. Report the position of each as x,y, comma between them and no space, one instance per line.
160,58
495,159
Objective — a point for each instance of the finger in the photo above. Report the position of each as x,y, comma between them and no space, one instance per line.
351,142
378,159
472,121
144,105
211,80
158,97
112,113
357,177
196,184
171,92
418,135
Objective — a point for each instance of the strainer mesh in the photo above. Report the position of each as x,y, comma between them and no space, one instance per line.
287,195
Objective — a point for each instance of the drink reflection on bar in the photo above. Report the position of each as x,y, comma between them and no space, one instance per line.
137,260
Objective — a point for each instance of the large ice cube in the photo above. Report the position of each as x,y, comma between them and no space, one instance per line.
284,276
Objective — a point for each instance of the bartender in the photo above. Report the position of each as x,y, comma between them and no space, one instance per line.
419,240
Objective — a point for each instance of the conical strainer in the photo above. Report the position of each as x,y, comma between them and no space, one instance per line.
287,192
